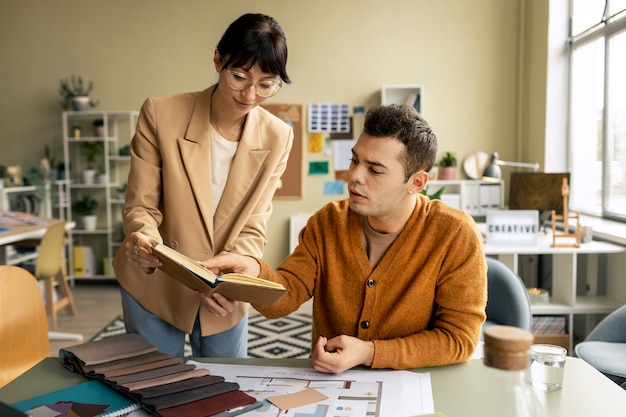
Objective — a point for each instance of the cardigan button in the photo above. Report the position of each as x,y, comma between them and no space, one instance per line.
365,324
370,283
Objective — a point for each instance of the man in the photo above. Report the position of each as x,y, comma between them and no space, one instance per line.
397,281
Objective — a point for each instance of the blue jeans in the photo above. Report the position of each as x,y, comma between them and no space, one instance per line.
232,343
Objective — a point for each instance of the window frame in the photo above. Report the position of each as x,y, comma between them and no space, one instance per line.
607,28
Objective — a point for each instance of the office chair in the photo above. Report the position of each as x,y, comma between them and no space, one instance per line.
508,302
23,323
605,347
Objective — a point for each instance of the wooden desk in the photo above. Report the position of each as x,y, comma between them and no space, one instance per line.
20,232
464,390
15,233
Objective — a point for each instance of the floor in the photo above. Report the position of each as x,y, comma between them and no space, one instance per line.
97,304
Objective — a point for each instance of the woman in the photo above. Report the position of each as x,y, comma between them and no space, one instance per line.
204,168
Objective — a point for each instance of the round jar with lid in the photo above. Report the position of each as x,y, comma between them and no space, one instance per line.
507,347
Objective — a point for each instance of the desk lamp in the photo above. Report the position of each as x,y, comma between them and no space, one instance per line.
494,173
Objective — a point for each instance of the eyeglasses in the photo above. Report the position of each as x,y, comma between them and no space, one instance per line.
239,82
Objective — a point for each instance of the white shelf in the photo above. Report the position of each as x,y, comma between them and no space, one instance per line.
474,197
606,263
45,195
403,94
119,128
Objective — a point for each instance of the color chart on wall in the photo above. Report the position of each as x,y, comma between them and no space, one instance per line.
329,117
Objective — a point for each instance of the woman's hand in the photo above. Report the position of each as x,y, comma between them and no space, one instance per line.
217,304
139,250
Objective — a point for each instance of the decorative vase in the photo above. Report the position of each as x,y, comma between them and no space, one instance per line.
447,173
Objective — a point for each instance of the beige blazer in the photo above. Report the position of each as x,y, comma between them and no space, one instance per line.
169,198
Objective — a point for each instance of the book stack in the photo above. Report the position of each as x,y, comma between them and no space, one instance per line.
163,386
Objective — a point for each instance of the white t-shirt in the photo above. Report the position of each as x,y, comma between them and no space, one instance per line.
222,154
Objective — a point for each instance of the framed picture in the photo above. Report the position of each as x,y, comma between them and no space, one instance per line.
14,176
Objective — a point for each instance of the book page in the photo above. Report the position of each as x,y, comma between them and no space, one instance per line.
247,279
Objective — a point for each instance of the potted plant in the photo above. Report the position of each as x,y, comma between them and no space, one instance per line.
76,94
447,166
61,170
87,208
434,196
52,163
98,128
93,150
121,191
4,173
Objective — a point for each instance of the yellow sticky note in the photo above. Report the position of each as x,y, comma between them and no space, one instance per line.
316,142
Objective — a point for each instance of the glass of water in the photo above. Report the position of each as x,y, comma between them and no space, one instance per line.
547,366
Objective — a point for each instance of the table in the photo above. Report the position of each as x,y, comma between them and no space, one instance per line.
20,232
463,390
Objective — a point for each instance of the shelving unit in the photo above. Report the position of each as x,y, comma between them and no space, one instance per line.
113,164
47,200
475,197
601,290
412,94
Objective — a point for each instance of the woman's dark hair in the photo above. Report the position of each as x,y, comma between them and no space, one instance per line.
255,38
409,127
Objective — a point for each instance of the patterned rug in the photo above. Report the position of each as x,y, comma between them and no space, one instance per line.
287,337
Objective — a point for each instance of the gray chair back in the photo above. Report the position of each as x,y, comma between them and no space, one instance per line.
508,302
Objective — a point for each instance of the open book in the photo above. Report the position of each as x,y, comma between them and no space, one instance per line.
236,287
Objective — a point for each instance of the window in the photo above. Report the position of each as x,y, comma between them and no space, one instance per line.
597,129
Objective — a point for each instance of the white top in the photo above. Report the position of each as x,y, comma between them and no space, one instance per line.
222,154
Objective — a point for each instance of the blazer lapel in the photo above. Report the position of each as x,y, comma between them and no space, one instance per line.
195,149
246,165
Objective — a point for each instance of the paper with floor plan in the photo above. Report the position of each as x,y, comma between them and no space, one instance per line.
350,394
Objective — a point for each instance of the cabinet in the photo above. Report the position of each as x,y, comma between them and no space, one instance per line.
581,296
411,94
475,197
96,140
45,200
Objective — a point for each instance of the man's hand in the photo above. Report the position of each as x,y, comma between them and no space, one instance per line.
341,353
226,262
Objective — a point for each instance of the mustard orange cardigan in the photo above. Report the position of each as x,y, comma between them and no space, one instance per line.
423,305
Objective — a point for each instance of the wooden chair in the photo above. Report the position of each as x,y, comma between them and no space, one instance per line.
23,323
49,268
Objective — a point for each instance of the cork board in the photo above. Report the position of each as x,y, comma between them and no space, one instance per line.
291,182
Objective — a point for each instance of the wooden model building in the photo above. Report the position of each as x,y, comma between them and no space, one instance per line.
566,217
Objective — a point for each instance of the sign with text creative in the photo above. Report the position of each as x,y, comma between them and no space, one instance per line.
512,227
